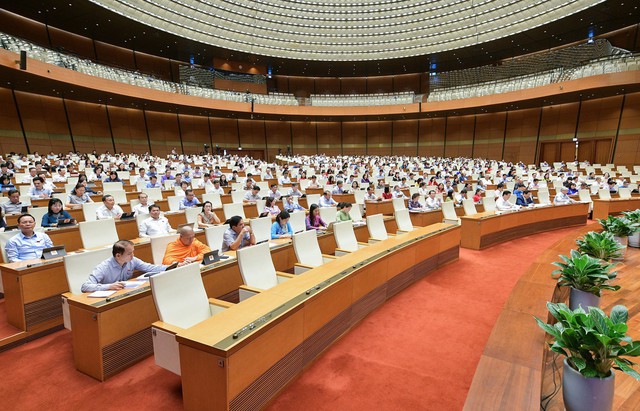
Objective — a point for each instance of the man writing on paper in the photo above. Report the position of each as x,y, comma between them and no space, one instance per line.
186,248
110,273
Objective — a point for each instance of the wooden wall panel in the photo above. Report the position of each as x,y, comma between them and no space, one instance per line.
195,133
489,135
354,137
110,54
72,42
304,137
224,132
278,137
405,137
282,83
627,150
11,138
330,138
163,132
432,132
158,66
23,27
129,130
252,135
354,85
301,86
522,134
327,85
45,123
89,126
383,84
459,136
379,137
406,82
559,122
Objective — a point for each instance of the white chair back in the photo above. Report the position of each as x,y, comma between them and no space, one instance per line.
328,214
37,213
180,297
120,196
154,194
489,203
398,204
98,233
215,236
307,249
449,212
191,214
78,266
624,192
604,194
543,198
376,227
237,196
25,199
355,213
313,199
403,220
469,207
232,209
297,221
256,266
261,228
159,246
174,202
4,238
106,187
89,211
214,198
345,236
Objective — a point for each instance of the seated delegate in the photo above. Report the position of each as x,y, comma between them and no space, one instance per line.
237,235
109,208
27,244
186,248
156,225
55,213
313,220
109,274
281,228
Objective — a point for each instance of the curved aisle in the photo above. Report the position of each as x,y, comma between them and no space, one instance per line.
420,350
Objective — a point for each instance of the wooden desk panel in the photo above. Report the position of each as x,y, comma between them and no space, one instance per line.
486,229
384,207
604,208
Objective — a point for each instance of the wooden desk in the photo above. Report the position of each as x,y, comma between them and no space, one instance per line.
604,208
486,229
280,331
342,198
384,207
111,336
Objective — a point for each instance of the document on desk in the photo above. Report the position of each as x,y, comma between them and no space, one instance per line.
134,283
101,294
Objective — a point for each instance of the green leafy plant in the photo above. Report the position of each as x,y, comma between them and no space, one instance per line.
585,273
619,226
593,342
633,216
600,245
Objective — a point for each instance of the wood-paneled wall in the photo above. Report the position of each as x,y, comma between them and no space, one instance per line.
608,129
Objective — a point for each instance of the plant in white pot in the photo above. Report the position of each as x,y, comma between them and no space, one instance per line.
634,217
587,277
621,228
593,344
600,245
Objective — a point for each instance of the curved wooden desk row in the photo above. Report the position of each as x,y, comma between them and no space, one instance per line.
604,208
509,374
486,229
240,358
109,336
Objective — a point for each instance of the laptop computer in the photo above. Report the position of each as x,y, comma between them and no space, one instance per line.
128,216
24,209
61,222
53,252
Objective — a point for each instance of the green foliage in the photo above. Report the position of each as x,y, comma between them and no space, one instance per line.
593,342
619,226
633,216
585,273
600,245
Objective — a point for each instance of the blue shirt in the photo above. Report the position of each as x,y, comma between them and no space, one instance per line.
35,193
109,272
293,207
230,237
21,247
185,203
151,185
49,219
277,230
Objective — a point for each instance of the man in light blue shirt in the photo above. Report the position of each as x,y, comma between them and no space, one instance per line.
27,244
327,201
189,200
38,190
110,274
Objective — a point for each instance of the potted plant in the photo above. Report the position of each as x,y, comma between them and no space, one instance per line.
600,245
634,217
593,344
621,228
587,277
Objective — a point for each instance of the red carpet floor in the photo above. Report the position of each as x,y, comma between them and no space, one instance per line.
417,352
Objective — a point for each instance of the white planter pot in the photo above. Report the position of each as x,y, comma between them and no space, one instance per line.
623,241
586,394
579,298
634,240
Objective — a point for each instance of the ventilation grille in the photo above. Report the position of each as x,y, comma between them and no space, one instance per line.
368,303
326,335
400,282
126,352
42,310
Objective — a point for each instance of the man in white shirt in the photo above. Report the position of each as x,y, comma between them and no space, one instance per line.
284,179
253,195
503,203
61,176
109,208
433,202
143,206
273,192
338,189
217,188
294,191
326,200
155,225
562,197
33,173
38,190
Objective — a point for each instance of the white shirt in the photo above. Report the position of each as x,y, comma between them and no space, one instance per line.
141,209
218,190
504,205
103,213
433,203
153,228
561,199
